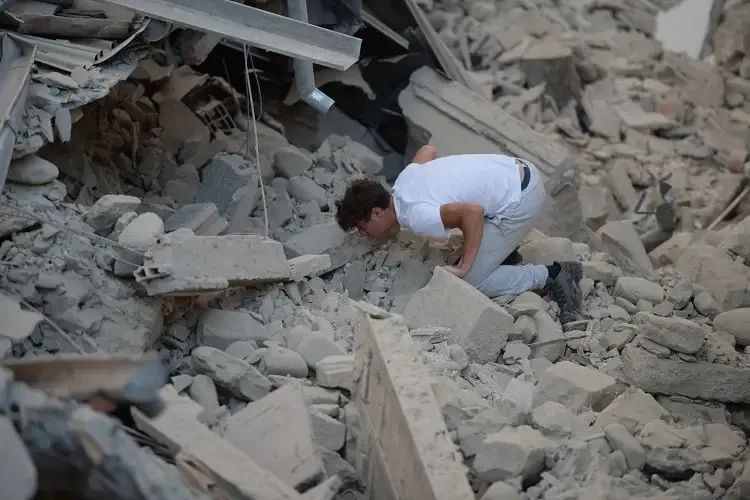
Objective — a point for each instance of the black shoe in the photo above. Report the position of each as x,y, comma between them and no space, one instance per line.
565,289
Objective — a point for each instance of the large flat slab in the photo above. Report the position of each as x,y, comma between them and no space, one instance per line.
405,451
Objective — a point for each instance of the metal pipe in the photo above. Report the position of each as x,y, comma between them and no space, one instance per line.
304,76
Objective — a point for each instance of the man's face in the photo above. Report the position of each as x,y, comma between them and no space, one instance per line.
377,226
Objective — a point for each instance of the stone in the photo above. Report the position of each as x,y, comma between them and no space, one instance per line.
315,346
735,322
276,431
550,63
197,217
139,235
697,380
18,474
711,268
512,452
308,266
282,361
222,178
547,251
680,294
603,272
336,372
633,409
479,325
241,349
329,432
706,305
575,386
501,491
290,162
546,327
219,328
635,289
620,184
202,390
108,209
678,334
622,242
305,189
556,419
32,170
619,438
671,250
330,240
243,380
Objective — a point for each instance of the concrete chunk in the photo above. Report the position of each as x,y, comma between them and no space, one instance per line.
735,322
711,268
619,438
551,63
633,409
277,433
222,178
620,240
336,372
196,264
635,289
574,386
681,335
107,209
514,451
18,475
328,239
394,396
239,377
180,431
309,266
479,325
219,328
197,217
706,381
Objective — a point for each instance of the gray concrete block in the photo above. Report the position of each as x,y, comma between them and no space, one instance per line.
479,325
222,178
328,239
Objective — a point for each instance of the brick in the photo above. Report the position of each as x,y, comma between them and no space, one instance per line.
479,325
574,386
277,433
405,448
328,239
222,178
706,381
196,264
179,430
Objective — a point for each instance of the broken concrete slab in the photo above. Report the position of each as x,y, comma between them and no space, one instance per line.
394,396
512,452
243,380
180,431
575,386
330,240
550,62
219,328
456,120
184,264
713,269
679,334
107,209
699,380
222,178
276,431
622,242
633,409
479,325
200,218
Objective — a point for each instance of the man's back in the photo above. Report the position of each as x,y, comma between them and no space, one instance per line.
492,181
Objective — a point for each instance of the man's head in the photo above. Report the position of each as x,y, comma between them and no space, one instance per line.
366,206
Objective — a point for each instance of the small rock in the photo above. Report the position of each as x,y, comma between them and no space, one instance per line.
329,432
336,372
108,209
315,346
202,390
32,171
282,361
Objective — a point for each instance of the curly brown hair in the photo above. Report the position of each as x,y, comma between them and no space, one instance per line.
361,196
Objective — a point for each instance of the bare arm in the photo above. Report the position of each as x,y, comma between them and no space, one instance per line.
469,218
425,154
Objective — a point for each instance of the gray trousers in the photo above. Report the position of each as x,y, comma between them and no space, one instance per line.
503,233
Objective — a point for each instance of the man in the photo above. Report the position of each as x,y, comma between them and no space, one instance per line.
494,200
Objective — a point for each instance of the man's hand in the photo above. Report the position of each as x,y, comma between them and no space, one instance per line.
456,271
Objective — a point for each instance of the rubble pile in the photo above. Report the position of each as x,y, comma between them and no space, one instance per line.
625,86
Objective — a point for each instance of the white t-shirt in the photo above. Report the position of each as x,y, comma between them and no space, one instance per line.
492,181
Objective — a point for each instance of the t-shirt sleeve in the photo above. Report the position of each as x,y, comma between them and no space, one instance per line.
424,219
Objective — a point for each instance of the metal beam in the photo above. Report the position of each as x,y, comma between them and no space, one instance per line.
255,27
